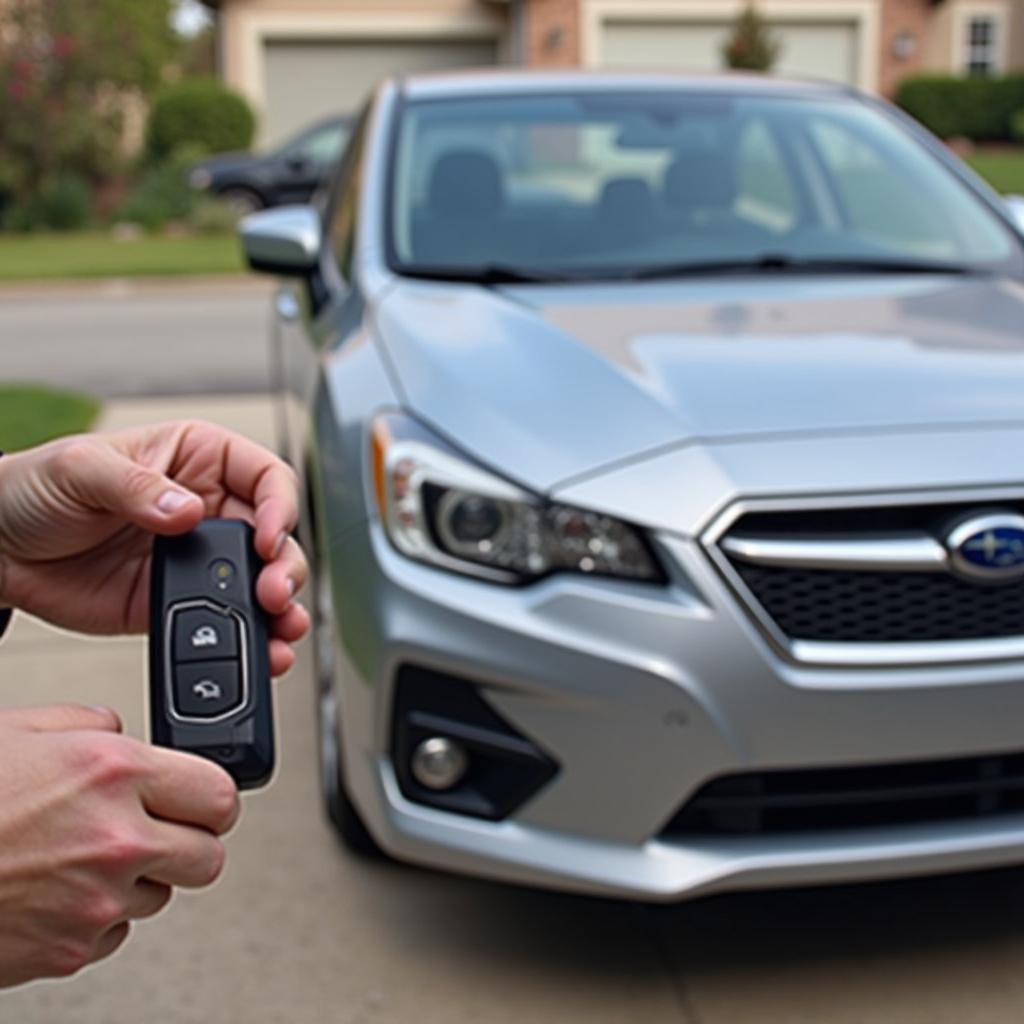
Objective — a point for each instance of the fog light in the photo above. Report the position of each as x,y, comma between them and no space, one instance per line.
439,763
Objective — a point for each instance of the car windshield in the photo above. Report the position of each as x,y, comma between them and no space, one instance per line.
547,187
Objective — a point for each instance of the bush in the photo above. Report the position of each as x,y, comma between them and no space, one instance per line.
66,204
1017,126
199,113
980,109
61,205
163,195
213,217
752,46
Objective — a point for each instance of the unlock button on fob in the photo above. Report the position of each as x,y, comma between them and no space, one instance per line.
206,689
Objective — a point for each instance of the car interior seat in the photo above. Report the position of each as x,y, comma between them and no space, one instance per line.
465,199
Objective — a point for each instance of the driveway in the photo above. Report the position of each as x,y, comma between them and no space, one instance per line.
138,337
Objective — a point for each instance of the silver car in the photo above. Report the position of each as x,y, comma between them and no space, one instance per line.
663,441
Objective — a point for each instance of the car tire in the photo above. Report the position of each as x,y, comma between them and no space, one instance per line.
338,807
242,200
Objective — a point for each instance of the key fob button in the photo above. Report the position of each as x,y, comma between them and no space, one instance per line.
202,634
207,689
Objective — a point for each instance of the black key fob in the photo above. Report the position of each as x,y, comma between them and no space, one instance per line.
209,677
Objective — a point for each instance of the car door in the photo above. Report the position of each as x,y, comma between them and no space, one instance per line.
307,311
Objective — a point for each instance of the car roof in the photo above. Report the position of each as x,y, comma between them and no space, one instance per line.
503,81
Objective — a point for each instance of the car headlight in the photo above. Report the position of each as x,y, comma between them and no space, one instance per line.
439,507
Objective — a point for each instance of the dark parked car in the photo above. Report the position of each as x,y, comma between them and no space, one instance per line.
289,174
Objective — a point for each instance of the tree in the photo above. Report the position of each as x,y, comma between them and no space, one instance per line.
752,46
67,70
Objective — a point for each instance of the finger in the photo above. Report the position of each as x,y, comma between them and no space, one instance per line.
282,579
111,941
261,479
282,657
189,857
291,625
147,899
62,718
191,790
105,478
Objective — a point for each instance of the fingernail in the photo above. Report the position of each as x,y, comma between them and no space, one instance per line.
291,588
172,501
279,545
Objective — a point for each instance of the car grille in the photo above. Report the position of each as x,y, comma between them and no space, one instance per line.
884,606
850,798
851,605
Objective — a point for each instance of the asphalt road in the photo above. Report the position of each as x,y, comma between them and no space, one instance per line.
138,338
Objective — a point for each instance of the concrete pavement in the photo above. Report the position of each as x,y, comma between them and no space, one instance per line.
300,932
141,337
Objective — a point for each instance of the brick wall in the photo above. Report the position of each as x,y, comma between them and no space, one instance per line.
551,33
910,17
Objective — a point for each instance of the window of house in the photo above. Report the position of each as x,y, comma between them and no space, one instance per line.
982,42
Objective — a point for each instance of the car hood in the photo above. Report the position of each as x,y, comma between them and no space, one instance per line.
555,383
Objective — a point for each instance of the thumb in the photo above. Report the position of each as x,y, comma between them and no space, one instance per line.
141,495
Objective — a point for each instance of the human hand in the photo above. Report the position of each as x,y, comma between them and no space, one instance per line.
95,829
77,518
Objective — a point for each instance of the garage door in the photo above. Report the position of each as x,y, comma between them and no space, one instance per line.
817,49
308,80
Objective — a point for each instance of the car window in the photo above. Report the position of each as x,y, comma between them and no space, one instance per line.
325,146
321,146
607,183
765,192
880,190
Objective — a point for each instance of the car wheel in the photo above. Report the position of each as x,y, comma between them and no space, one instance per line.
340,810
242,200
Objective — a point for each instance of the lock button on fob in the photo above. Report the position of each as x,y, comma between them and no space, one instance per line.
206,689
203,634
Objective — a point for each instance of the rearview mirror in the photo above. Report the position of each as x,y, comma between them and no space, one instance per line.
284,241
1015,204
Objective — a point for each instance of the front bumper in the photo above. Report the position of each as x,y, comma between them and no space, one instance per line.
642,694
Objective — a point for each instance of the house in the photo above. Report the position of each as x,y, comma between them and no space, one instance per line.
299,59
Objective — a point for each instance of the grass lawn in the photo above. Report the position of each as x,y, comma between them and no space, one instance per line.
1003,169
32,415
36,257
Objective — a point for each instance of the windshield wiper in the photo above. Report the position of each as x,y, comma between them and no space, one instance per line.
486,274
773,263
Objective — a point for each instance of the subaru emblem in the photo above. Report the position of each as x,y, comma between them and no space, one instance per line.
989,547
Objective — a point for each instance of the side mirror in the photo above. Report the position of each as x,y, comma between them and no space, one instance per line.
1015,204
284,241
297,163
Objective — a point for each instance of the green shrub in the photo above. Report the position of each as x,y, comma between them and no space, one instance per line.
200,113
213,217
67,204
1017,126
752,45
163,195
976,108
60,205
